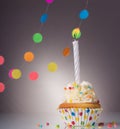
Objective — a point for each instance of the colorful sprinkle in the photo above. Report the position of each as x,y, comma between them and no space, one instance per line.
100,125
57,126
41,126
47,124
109,125
114,124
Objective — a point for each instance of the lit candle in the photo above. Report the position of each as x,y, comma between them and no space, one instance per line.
76,61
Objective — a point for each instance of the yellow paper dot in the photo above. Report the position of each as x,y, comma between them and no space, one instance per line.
92,112
16,74
88,125
95,117
76,109
77,119
52,67
69,117
63,111
85,117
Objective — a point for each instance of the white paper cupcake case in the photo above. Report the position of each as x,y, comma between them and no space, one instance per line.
82,117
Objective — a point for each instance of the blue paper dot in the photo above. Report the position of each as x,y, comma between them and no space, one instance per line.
72,113
43,18
84,14
88,110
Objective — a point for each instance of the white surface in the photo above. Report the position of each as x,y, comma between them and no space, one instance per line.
27,121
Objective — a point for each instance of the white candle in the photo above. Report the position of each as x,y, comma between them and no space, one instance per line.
76,61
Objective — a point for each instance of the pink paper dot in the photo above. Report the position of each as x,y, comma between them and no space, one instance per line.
2,60
2,87
33,76
10,73
49,1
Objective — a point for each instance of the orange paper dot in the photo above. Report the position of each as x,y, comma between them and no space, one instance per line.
28,56
66,52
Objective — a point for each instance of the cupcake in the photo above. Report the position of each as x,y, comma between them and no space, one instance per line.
81,107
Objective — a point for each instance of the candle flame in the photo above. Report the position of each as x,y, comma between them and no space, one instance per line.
76,34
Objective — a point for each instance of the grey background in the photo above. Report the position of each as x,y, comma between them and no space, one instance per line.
99,52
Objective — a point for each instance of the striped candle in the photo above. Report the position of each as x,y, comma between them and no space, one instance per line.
76,61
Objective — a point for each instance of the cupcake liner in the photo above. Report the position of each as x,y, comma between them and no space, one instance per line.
82,117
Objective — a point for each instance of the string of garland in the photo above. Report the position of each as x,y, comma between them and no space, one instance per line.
16,73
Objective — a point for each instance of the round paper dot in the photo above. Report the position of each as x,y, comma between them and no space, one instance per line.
81,114
37,37
73,122
72,113
49,1
2,60
84,14
16,74
28,56
76,33
52,67
88,110
2,87
43,18
10,73
66,52
33,76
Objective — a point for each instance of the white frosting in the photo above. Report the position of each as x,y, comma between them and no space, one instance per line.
82,93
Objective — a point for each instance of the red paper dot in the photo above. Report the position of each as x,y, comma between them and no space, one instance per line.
33,76
73,123
81,113
90,118
2,60
2,87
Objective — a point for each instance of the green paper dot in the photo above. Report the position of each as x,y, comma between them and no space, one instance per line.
37,37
